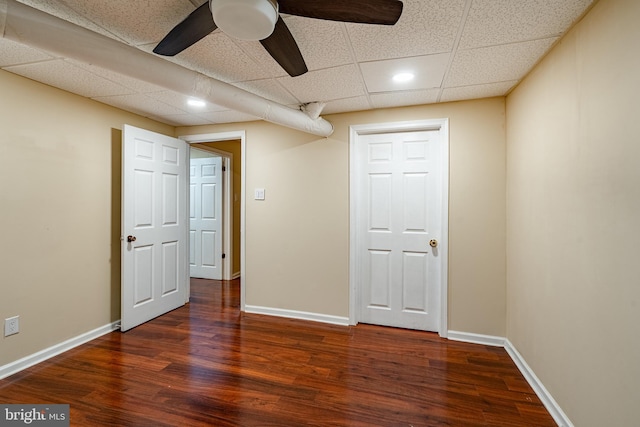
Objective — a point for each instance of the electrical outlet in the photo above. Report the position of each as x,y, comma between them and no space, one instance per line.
11,326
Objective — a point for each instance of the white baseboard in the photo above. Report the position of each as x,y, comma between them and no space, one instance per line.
545,397
41,356
476,338
302,315
547,400
235,275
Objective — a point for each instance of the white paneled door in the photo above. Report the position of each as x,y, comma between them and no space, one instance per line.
154,225
399,228
205,218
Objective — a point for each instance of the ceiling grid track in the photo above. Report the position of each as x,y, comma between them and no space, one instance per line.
454,50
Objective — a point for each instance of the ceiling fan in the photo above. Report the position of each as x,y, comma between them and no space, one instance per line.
260,20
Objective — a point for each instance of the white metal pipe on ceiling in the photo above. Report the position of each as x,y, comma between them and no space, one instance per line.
38,29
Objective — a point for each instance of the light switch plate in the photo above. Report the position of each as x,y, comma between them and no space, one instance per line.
259,194
11,326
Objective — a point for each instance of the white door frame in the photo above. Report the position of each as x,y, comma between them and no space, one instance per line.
228,136
227,208
355,131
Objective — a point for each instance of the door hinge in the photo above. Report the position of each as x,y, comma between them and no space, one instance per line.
224,168
224,256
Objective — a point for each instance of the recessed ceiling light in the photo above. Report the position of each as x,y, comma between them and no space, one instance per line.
192,102
403,77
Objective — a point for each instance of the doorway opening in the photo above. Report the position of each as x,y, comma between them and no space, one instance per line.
231,147
211,219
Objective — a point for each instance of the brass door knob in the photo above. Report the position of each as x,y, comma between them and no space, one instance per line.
433,243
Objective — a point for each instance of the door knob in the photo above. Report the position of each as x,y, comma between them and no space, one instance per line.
433,243
131,238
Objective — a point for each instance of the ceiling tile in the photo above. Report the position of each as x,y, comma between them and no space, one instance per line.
358,103
477,91
180,101
137,22
323,44
59,9
321,85
268,66
129,82
64,75
218,56
15,53
399,99
425,27
140,104
428,70
506,21
269,89
495,64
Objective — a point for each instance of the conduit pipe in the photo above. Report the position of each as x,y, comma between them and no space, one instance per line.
35,28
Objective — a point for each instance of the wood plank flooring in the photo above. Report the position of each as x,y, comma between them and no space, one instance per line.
208,364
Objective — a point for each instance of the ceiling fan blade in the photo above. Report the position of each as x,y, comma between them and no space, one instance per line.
385,12
194,27
283,48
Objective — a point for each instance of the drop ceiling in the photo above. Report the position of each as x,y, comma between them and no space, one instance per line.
457,49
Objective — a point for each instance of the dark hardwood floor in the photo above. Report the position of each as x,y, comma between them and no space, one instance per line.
207,364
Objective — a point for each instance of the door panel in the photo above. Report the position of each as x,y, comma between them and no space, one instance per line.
170,199
143,270
208,248
170,263
205,218
153,213
379,262
399,180
415,296
143,198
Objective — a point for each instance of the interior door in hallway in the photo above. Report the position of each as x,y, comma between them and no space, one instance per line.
205,218
154,225
399,225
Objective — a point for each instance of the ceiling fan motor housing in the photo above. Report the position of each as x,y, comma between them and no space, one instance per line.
245,19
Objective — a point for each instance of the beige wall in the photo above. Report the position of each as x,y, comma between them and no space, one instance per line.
298,238
60,189
59,213
573,281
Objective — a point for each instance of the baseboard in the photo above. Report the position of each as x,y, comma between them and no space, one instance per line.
41,356
547,400
235,275
476,338
545,397
301,315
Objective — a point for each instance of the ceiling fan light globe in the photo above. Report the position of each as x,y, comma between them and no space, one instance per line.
245,19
